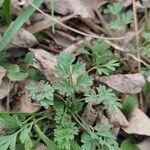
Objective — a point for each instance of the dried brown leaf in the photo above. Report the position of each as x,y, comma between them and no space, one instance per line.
144,145
77,7
118,119
139,123
23,38
45,62
129,83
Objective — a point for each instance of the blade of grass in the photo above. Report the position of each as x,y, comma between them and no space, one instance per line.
51,145
17,24
6,11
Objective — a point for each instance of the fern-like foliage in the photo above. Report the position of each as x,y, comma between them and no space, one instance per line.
73,76
100,57
99,138
119,18
15,128
105,96
43,95
65,130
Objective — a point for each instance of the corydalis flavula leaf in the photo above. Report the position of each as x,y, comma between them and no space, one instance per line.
100,138
65,130
43,95
100,57
73,76
105,96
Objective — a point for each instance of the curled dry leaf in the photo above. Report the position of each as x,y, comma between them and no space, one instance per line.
118,119
129,83
45,62
139,123
23,38
2,73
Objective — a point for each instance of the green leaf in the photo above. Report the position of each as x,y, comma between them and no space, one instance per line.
89,143
78,68
74,145
65,132
127,17
100,138
11,68
105,96
83,83
64,63
129,103
25,138
17,76
1,3
114,8
35,74
51,145
43,95
64,87
128,145
29,58
8,141
108,67
17,24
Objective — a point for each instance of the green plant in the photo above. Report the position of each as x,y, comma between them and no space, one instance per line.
65,130
128,103
67,95
105,96
17,128
120,18
100,57
44,94
100,138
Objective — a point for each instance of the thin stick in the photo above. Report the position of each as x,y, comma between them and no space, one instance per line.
137,43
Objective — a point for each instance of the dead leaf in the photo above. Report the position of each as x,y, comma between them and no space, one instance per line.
129,83
89,115
144,145
76,7
139,123
118,119
4,88
24,102
23,38
2,73
45,62
95,3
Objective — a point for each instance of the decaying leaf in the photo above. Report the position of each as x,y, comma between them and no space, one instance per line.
45,62
139,123
129,83
118,119
24,102
77,7
24,39
2,73
89,115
